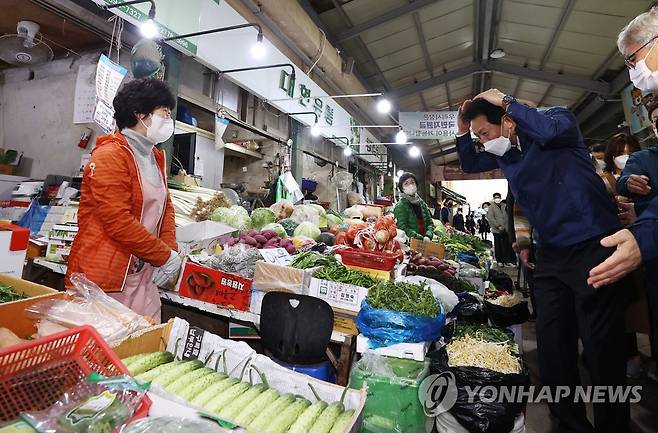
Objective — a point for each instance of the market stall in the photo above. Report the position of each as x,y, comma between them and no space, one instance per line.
398,312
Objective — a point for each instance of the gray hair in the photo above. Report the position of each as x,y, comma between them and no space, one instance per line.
639,31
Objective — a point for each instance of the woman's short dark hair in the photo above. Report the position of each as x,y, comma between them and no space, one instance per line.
141,96
482,107
404,178
598,148
615,147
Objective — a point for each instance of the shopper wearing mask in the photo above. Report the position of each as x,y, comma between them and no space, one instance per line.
126,242
638,243
497,217
550,173
411,213
639,179
458,221
617,151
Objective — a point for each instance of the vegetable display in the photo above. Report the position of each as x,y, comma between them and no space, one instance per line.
235,216
419,265
307,229
203,209
263,240
504,299
406,297
289,226
341,274
261,217
310,259
492,334
8,294
258,408
468,351
238,259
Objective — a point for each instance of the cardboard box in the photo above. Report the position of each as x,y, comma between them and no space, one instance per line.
415,351
13,249
215,286
270,277
12,314
204,235
192,342
428,248
339,295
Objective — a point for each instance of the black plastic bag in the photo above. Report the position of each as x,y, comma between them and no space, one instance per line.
480,416
507,316
470,309
501,281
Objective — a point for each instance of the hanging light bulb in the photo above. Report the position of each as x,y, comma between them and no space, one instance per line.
348,151
401,137
414,152
258,49
148,29
315,130
400,173
384,105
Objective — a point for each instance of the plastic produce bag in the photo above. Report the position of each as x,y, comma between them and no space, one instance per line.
238,259
282,209
34,217
304,213
446,297
172,425
507,316
87,304
387,327
97,405
470,308
481,416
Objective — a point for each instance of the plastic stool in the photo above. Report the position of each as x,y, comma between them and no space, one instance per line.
323,370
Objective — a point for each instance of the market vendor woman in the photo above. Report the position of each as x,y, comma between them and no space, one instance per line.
412,214
126,242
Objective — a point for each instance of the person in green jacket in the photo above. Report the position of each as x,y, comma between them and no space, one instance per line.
412,214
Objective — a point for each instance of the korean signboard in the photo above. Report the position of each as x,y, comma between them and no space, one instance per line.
433,125
173,18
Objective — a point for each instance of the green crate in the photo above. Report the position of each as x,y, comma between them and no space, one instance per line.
392,405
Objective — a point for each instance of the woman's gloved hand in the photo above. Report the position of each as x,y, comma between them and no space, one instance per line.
169,270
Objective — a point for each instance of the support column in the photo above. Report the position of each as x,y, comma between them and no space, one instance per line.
172,61
297,136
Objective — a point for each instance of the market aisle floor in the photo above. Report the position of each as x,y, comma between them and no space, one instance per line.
644,415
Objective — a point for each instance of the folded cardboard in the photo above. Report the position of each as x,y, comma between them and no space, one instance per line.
341,296
428,248
204,235
270,277
415,351
12,314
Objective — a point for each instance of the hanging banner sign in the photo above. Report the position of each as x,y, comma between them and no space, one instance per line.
429,125
453,171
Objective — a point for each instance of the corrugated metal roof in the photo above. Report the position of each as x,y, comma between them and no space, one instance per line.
566,37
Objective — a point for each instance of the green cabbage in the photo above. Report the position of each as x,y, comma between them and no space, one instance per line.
278,228
333,220
308,229
261,217
234,216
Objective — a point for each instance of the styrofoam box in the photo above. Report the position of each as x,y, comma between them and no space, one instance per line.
415,351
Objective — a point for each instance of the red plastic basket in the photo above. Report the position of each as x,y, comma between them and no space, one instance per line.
381,261
34,375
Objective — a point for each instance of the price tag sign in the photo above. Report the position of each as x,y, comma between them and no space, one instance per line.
278,256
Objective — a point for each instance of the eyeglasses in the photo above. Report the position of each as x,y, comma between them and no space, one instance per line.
630,60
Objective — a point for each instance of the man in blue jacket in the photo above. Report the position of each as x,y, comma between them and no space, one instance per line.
550,172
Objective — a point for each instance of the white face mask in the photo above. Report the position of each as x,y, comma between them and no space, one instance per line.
498,146
410,189
497,200
160,130
642,77
620,161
